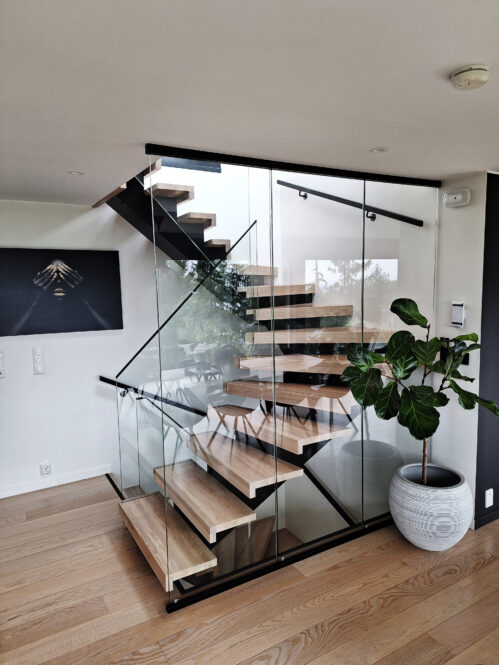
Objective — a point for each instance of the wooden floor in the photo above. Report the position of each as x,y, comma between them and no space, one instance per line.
75,589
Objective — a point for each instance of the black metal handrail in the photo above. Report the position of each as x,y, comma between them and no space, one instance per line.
151,396
370,210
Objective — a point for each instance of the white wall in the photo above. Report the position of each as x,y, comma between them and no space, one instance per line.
66,416
459,277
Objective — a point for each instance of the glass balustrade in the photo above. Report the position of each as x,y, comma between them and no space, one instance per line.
239,443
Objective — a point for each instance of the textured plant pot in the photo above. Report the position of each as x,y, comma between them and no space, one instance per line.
434,516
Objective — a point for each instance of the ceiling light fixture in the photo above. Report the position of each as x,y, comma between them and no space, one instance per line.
378,148
75,172
470,77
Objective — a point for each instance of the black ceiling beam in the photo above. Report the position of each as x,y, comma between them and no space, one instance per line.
255,162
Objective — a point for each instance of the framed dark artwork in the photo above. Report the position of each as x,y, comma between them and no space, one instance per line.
59,290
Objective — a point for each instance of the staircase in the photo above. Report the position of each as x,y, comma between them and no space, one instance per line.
180,236
241,452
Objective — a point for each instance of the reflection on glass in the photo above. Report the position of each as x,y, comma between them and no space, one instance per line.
233,415
411,249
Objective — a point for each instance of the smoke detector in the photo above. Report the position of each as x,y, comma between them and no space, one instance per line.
470,77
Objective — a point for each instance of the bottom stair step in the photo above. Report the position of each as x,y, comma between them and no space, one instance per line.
209,505
187,554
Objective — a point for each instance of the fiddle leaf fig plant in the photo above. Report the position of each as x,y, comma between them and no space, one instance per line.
414,405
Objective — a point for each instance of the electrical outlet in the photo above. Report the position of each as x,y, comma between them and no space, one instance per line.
45,469
489,497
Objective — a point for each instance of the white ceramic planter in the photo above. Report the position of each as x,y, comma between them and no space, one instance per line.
434,516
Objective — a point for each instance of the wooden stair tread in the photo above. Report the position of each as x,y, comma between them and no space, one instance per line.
266,291
209,505
243,466
164,190
110,196
335,399
257,271
207,219
300,362
218,243
301,312
334,335
291,433
187,554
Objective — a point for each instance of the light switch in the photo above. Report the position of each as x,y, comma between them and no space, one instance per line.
2,365
457,315
38,360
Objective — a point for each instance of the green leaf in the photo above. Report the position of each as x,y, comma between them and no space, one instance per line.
438,367
398,344
407,310
388,403
465,398
470,337
417,415
367,387
488,404
468,400
473,347
361,357
455,374
426,352
350,373
427,395
404,366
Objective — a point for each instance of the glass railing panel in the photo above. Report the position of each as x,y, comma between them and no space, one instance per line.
219,479
399,263
317,310
199,213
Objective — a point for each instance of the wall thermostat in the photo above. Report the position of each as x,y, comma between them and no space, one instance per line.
457,199
457,314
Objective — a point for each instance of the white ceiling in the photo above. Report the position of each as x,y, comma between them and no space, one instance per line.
86,83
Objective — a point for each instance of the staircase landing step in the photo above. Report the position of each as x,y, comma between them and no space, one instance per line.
334,399
243,466
301,312
179,192
208,220
209,505
187,554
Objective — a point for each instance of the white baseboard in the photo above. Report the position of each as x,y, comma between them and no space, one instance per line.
43,483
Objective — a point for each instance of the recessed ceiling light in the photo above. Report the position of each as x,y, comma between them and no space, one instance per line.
470,77
378,148
75,172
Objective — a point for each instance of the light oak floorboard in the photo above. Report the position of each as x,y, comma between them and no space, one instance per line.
75,590
393,634
483,652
